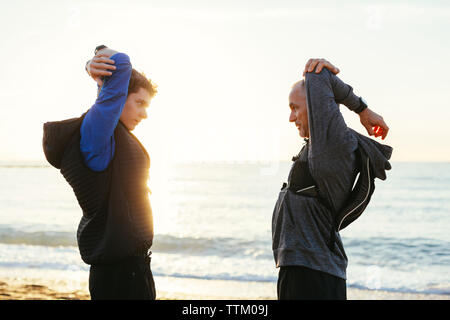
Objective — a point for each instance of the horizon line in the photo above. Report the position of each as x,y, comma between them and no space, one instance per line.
39,163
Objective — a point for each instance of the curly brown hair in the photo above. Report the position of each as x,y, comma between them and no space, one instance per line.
139,80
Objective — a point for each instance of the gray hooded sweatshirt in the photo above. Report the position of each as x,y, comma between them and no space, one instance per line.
301,238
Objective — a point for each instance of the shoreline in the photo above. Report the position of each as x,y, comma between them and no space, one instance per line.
171,288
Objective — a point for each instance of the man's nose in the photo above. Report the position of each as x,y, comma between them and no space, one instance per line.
292,116
144,114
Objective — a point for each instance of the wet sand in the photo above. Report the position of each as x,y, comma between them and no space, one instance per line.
183,289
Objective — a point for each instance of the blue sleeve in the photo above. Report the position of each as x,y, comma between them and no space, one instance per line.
97,130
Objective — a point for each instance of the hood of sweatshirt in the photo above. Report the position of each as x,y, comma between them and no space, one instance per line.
379,154
57,135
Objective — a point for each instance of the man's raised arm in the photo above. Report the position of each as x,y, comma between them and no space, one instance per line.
373,122
97,140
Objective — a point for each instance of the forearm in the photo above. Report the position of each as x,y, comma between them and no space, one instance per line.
373,122
331,145
101,120
327,127
343,94
107,108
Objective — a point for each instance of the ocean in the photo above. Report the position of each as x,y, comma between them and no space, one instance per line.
213,221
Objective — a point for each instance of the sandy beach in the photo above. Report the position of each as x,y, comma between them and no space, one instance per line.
169,288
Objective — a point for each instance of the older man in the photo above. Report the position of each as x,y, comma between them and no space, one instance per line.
306,247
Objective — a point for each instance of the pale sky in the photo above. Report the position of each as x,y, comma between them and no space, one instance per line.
224,71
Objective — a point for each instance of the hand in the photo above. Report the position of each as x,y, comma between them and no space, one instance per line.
107,52
320,63
373,123
100,65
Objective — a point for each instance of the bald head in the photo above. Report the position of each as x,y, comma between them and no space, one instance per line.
299,87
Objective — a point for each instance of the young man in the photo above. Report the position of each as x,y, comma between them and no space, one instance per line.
306,246
107,167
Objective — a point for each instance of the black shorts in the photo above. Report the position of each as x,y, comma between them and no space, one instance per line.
301,283
125,280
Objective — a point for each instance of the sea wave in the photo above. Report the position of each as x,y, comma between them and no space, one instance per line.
10,235
399,253
220,246
440,289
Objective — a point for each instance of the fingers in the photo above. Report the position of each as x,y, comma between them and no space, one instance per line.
313,64
382,128
384,131
101,55
310,65
381,131
307,66
99,72
100,66
105,66
326,64
102,59
377,130
370,130
374,124
102,62
320,64
99,81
